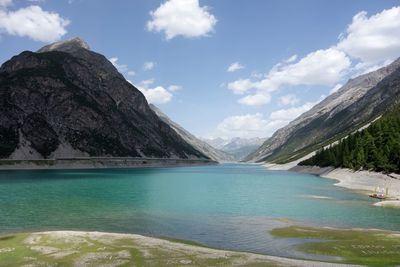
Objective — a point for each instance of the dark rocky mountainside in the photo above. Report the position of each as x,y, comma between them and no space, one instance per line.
68,101
353,106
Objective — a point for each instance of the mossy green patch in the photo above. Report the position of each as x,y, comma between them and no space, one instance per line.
102,249
367,247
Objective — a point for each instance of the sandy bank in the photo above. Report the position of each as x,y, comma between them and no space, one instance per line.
388,203
356,180
107,249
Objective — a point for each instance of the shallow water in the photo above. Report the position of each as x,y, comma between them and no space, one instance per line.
229,206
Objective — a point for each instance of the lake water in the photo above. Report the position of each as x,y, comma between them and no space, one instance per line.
229,206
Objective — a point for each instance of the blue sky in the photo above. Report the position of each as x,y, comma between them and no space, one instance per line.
288,54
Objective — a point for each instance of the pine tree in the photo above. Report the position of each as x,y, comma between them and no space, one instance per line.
375,148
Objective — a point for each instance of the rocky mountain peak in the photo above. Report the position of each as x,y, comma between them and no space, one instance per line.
68,101
70,45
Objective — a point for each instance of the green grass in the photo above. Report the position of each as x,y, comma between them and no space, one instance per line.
366,247
81,249
372,248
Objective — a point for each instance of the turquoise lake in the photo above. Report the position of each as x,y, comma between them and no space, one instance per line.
230,206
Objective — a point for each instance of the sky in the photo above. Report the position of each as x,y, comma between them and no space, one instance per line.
221,68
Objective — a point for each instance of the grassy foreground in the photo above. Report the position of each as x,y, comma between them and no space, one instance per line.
103,249
366,247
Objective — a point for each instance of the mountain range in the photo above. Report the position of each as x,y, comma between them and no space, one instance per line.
66,101
212,152
218,149
237,147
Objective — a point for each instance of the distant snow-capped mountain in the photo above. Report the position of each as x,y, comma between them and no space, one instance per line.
238,147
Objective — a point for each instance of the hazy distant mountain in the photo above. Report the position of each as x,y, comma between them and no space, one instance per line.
200,145
66,101
218,143
357,103
238,147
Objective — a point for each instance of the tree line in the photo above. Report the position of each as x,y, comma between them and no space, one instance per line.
376,148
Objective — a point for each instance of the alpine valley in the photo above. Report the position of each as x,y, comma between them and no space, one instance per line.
199,133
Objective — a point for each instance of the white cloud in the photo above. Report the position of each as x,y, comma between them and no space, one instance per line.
322,67
240,86
255,100
257,75
182,17
173,88
120,67
155,95
375,38
289,114
291,59
258,125
4,3
131,73
147,83
149,65
33,22
249,125
235,67
289,99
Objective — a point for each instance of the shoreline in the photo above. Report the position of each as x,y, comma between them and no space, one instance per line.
86,248
363,182
99,163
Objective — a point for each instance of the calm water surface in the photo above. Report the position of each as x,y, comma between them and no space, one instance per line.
226,206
